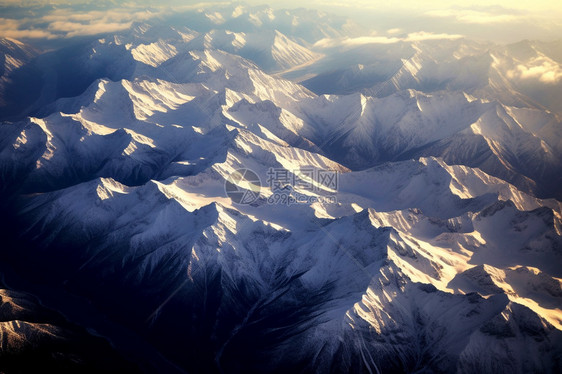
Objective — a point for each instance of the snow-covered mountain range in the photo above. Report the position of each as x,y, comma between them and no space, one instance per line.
439,249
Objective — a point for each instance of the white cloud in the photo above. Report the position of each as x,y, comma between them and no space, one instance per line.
71,29
68,22
542,69
422,35
71,24
351,42
11,28
362,40
93,16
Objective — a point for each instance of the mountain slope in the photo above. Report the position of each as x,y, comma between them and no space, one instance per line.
13,56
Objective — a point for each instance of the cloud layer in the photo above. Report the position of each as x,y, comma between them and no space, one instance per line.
542,69
71,22
374,39
503,22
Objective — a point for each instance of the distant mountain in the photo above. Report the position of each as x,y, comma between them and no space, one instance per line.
141,51
271,51
306,25
523,74
520,145
13,56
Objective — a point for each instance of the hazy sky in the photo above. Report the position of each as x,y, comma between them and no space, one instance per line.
441,4
500,21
